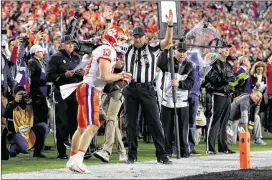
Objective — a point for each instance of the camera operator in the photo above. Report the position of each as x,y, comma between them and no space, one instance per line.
20,112
60,71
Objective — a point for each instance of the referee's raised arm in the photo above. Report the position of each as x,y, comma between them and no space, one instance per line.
169,31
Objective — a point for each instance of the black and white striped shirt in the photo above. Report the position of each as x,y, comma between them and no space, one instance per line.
141,63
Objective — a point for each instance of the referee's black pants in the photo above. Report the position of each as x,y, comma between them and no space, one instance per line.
65,119
167,116
221,106
146,97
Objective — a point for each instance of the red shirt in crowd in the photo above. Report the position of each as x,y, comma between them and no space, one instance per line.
269,78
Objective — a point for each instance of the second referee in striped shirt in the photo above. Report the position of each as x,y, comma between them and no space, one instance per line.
141,59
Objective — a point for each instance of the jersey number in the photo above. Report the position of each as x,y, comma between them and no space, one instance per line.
106,52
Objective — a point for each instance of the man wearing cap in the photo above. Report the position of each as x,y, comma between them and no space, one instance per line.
38,89
217,83
60,71
140,61
184,81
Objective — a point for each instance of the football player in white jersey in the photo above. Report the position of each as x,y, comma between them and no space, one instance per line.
97,74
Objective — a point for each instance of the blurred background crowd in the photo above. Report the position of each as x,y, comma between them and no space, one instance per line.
247,26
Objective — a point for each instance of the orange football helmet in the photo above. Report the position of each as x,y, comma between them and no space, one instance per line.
111,35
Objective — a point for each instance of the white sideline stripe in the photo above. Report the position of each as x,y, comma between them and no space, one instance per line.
210,124
153,170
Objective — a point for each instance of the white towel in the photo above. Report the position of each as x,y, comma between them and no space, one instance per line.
67,89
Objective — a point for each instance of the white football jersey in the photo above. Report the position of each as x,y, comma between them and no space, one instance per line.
92,74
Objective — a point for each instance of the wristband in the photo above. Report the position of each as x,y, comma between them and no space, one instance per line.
170,26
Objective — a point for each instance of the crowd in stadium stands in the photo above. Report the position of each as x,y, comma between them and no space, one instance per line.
247,26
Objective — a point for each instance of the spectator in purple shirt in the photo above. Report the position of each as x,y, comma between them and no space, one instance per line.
245,87
193,99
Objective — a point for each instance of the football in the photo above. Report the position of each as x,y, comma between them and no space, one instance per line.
120,84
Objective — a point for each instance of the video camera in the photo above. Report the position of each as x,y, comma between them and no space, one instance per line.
25,95
83,46
86,46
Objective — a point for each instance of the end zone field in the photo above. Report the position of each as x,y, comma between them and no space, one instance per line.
146,167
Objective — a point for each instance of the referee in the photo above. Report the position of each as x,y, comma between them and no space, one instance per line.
141,60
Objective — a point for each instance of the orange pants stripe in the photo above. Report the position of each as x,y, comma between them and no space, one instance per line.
88,106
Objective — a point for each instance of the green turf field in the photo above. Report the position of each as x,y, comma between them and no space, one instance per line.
146,151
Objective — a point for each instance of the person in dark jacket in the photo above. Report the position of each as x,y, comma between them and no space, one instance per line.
19,125
60,71
184,81
4,130
38,89
217,83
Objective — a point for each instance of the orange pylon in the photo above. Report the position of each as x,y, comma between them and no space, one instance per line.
244,144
